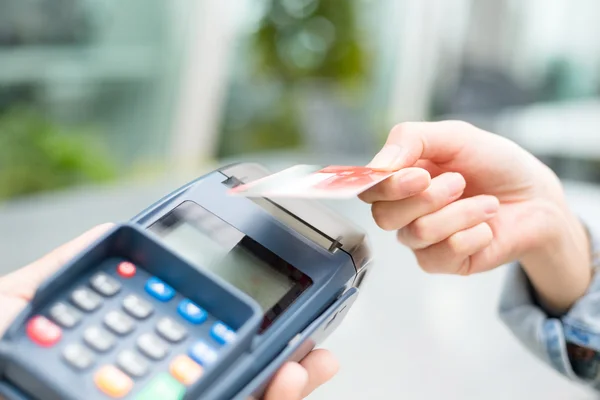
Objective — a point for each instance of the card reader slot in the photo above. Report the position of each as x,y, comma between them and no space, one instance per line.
298,224
310,218
301,226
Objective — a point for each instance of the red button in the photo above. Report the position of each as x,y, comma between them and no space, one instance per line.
126,269
43,332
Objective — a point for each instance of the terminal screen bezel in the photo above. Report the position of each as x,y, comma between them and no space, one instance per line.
216,229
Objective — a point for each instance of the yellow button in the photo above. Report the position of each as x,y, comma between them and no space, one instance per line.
113,382
185,370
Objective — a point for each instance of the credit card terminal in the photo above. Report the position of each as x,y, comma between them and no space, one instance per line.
203,295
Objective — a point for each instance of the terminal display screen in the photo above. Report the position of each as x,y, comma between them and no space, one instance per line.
210,243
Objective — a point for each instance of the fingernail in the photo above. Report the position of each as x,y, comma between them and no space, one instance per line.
391,156
456,184
490,208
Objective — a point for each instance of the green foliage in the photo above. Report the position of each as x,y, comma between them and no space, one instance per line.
267,124
38,155
298,43
300,39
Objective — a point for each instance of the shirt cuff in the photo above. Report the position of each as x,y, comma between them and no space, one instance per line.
570,343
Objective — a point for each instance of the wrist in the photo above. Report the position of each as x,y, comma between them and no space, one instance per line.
559,263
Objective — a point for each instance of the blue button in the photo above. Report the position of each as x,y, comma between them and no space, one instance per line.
203,354
159,290
191,312
222,333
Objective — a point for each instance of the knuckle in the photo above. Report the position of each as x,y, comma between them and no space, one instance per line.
465,267
457,123
460,126
472,213
426,263
458,245
429,197
486,232
381,216
433,199
401,236
403,129
385,189
420,230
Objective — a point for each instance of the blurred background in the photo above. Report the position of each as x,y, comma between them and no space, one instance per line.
92,91
105,105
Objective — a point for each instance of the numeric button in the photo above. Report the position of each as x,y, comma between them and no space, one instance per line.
65,315
137,307
105,284
152,346
132,363
78,356
170,330
99,339
119,323
85,299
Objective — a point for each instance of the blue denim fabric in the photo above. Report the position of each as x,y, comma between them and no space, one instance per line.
569,343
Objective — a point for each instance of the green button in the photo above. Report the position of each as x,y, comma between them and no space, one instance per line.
163,387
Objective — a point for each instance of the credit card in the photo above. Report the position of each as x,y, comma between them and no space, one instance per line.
312,181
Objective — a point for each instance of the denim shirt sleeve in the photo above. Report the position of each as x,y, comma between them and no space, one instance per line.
569,343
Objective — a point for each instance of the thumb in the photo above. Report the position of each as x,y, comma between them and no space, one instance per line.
11,307
27,279
18,287
410,142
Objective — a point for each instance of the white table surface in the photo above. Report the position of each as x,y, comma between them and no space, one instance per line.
409,336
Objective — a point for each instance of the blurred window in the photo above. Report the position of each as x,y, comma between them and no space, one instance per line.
83,90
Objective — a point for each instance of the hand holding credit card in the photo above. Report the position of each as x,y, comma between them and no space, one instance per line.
311,181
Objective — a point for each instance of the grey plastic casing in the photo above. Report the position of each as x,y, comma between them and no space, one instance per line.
326,247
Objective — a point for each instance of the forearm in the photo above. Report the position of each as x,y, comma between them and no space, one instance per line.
560,268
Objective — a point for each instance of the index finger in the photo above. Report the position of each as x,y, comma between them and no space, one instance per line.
403,184
412,141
